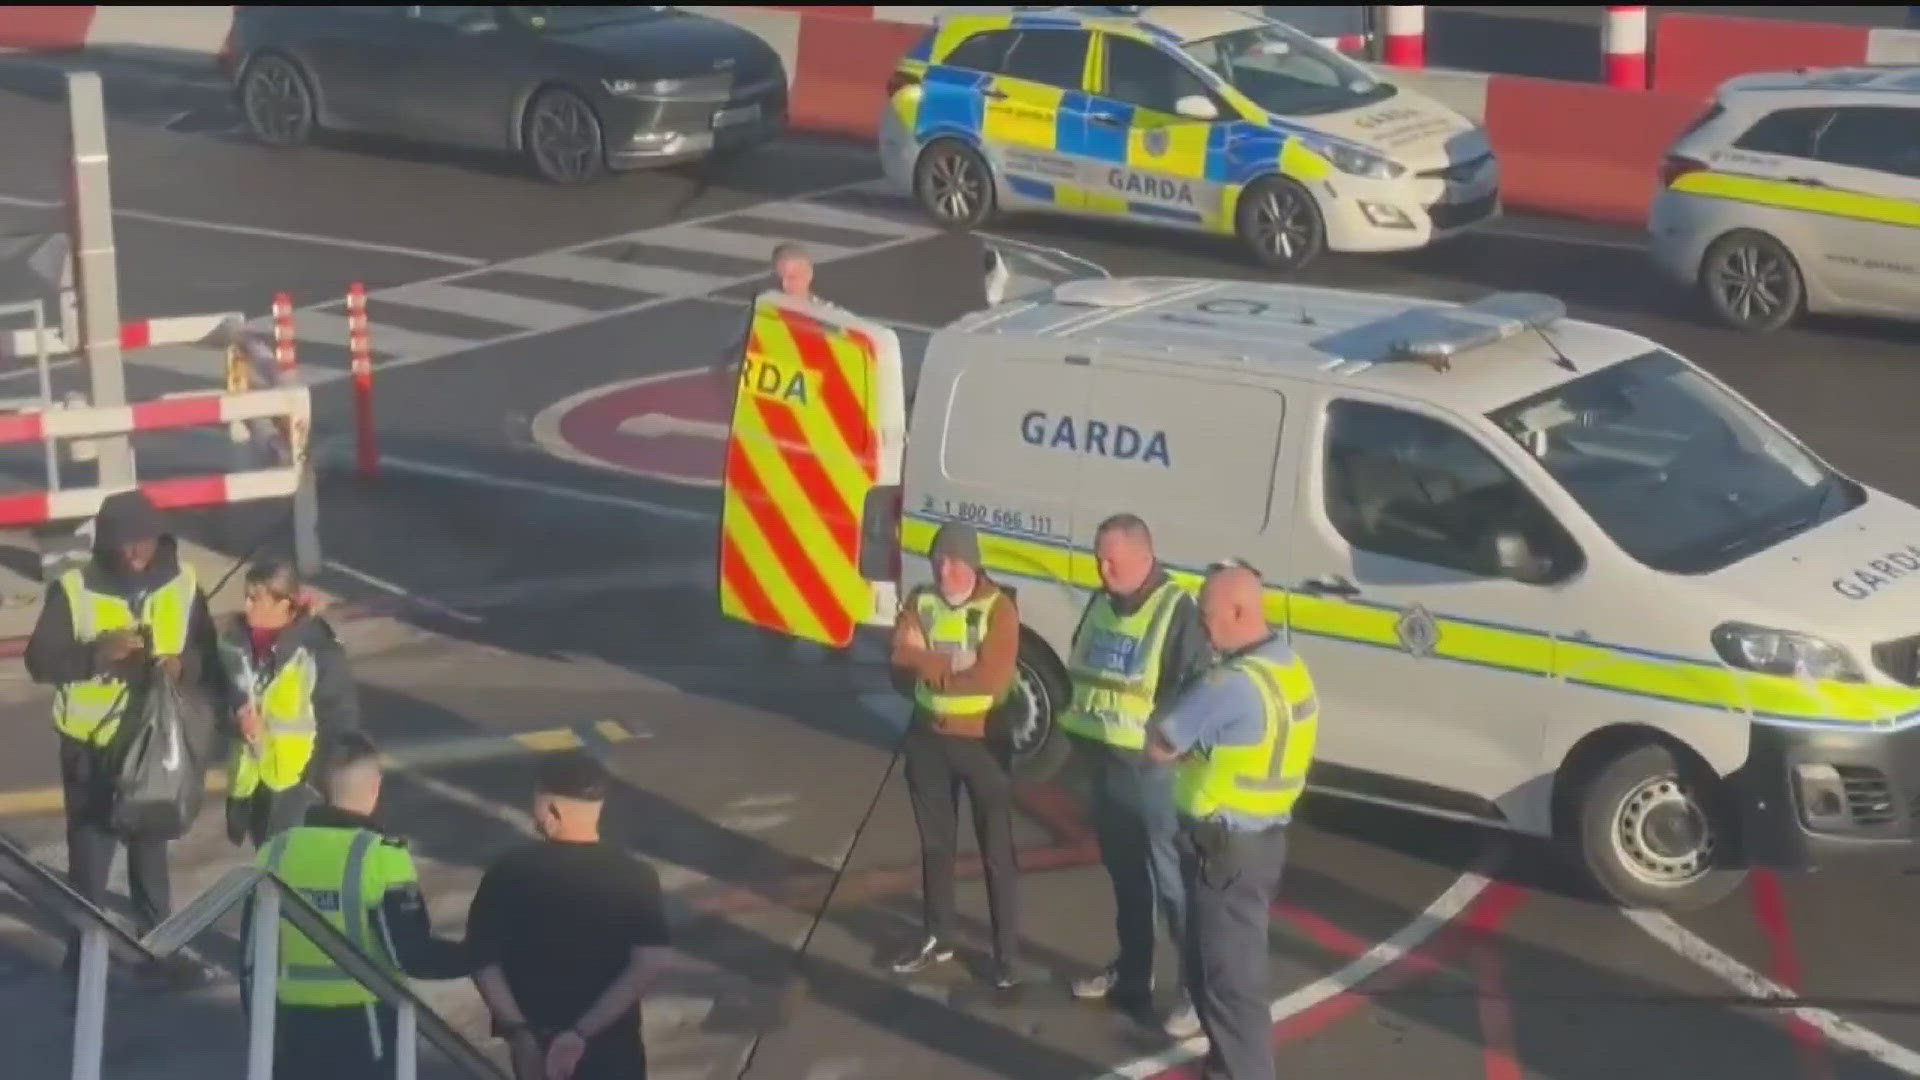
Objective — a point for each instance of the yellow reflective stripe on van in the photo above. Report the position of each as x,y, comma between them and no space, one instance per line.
1813,199
1614,668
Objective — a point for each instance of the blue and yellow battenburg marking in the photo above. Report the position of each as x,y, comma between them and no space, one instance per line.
1615,668
1162,167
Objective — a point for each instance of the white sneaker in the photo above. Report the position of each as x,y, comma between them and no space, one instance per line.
1183,1024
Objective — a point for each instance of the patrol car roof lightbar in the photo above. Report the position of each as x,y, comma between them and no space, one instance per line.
1434,336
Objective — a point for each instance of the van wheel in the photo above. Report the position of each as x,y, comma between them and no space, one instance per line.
1280,224
1751,281
954,185
1656,833
1040,747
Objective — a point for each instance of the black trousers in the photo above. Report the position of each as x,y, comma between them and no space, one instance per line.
87,788
343,1042
938,767
1133,816
264,814
1231,879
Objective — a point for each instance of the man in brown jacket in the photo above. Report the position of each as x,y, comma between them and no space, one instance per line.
958,640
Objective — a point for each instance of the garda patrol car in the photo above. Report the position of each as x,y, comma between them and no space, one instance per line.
1210,119
1798,191
1548,575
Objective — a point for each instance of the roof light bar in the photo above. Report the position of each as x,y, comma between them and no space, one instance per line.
1435,336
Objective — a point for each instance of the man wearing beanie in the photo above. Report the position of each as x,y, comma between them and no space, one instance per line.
958,640
98,625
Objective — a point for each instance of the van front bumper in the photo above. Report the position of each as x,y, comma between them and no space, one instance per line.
1812,797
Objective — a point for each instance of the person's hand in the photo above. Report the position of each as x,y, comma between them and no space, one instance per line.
564,1054
115,646
170,665
248,720
963,659
914,638
523,1050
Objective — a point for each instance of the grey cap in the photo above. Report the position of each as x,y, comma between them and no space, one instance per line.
956,540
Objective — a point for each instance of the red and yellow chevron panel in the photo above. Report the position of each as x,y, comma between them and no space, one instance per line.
801,458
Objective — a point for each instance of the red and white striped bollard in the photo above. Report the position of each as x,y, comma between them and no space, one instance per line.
283,358
1406,36
367,452
1625,42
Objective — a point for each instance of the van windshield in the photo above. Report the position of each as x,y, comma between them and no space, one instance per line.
1684,476
1286,72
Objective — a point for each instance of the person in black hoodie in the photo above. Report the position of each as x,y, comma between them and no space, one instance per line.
135,599
296,697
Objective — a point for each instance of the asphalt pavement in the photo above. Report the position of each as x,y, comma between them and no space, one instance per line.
558,586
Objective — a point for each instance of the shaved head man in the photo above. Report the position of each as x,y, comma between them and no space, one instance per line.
1241,739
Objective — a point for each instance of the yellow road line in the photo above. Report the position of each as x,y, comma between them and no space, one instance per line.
423,755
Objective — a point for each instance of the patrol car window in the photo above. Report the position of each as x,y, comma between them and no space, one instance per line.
1882,138
1681,474
1408,486
982,52
1789,132
1050,57
1284,71
1144,76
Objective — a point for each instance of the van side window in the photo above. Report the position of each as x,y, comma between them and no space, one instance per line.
985,51
1788,132
1410,487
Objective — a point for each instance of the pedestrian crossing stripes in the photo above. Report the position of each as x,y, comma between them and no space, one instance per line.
553,290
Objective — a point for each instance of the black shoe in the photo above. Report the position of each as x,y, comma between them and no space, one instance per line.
921,957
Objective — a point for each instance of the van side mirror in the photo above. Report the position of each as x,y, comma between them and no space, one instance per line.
1197,107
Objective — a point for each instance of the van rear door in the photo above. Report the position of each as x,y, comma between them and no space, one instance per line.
810,520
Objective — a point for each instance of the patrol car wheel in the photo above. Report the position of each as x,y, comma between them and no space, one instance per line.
1653,834
1280,224
954,185
276,102
563,139
1040,748
1751,282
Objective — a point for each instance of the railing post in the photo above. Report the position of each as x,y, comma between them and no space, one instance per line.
265,975
90,1005
406,1044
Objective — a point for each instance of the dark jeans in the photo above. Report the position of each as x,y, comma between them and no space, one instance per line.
1131,800
264,814
938,766
87,788
1231,879
333,1042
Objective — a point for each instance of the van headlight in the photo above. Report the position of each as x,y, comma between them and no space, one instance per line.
1783,652
1362,163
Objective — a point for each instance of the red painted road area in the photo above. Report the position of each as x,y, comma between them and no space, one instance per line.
668,428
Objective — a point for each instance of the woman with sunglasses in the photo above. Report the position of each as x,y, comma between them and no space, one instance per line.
289,670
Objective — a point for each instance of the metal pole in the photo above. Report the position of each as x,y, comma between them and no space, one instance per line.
406,1040
306,524
51,446
90,1005
265,975
90,205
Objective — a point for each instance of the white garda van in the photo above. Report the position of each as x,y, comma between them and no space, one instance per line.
1548,575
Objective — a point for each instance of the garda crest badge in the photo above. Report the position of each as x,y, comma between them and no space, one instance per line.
1417,631
1155,140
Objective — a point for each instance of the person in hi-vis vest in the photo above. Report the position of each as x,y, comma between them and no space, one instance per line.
326,1025
1241,741
136,599
1138,644
296,694
959,640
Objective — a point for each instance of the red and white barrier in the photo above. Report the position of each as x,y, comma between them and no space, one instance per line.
1406,33
146,333
42,507
1625,42
283,357
360,349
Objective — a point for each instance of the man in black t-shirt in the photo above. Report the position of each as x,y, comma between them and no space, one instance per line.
566,934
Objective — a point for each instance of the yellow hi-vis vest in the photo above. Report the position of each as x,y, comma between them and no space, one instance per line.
90,710
952,630
284,700
345,873
1260,782
1115,669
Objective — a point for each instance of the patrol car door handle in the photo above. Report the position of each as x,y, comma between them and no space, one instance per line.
1107,119
1810,181
1333,585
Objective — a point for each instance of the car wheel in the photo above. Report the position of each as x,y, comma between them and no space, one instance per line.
564,141
954,185
1751,282
277,102
1040,747
1280,224
1656,833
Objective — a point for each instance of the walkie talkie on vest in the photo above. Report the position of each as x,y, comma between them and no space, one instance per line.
973,628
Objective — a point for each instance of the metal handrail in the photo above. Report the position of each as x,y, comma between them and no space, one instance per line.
274,900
